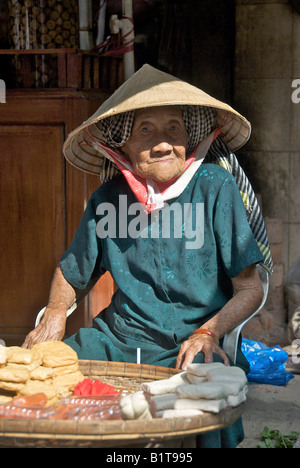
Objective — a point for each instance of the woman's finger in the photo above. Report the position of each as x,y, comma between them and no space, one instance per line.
195,345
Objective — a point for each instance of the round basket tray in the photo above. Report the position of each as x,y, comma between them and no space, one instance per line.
113,433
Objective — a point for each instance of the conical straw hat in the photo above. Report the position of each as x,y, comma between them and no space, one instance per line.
149,87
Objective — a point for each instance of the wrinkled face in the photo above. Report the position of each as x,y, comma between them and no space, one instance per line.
158,142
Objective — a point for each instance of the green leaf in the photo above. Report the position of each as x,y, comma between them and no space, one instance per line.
275,439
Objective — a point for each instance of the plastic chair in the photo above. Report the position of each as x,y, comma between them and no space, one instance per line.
230,341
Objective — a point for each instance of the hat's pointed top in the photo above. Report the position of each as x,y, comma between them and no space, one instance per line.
150,87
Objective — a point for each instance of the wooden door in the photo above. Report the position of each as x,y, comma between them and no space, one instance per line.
42,199
32,234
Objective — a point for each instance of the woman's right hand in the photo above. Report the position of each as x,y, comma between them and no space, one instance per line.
52,327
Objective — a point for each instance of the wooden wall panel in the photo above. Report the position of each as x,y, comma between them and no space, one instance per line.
32,228
42,199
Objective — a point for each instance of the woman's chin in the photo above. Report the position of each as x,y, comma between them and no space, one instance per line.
164,175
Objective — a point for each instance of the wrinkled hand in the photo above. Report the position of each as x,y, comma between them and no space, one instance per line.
51,328
196,344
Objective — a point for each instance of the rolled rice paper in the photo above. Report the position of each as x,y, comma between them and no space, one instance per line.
195,379
211,406
201,369
178,413
159,387
206,390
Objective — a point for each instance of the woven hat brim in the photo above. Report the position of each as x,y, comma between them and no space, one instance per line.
149,87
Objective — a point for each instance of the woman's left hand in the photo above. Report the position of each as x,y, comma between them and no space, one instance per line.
197,344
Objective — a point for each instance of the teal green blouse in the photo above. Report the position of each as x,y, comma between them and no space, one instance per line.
168,284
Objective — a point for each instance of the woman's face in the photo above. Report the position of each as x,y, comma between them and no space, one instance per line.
158,142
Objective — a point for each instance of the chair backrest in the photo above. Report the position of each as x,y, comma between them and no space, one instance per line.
231,338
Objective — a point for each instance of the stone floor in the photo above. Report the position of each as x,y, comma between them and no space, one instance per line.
277,407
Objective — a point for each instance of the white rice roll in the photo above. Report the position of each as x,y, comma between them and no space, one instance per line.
211,406
179,413
159,387
207,390
201,369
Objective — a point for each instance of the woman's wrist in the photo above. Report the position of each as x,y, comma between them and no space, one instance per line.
205,331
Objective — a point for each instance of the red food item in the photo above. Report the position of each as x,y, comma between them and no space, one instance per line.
94,387
38,400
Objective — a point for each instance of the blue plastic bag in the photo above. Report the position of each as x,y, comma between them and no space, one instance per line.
267,365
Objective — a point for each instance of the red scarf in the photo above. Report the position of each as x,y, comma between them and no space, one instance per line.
137,183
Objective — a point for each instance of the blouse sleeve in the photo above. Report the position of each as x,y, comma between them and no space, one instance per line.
236,243
81,261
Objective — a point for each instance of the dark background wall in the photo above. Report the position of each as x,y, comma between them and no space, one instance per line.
194,40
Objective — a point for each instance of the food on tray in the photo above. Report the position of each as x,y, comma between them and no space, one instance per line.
10,386
94,387
211,406
55,354
42,373
179,413
135,406
201,369
42,383
50,368
159,387
46,383
61,370
5,399
37,400
95,400
52,392
206,388
17,355
14,374
229,374
72,408
2,355
195,379
161,402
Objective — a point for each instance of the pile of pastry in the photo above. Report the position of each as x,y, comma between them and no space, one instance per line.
50,368
202,388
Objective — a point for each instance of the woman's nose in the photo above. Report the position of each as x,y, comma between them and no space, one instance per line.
162,146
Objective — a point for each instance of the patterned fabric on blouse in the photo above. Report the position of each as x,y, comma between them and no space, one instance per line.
166,288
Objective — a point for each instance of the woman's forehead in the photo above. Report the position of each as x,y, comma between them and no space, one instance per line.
153,112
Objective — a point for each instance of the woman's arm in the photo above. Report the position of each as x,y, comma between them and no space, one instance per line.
247,297
53,324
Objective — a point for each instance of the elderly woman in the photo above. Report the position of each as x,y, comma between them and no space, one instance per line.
169,226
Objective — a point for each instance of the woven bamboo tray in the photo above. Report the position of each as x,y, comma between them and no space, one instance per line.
114,433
